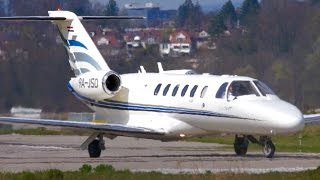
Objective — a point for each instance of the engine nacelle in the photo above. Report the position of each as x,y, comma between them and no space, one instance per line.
97,85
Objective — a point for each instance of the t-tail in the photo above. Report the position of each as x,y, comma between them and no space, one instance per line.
94,79
82,52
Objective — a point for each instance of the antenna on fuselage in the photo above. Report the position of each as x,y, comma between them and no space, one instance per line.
142,70
160,68
59,7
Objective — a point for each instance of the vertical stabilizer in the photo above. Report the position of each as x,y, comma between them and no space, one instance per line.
83,54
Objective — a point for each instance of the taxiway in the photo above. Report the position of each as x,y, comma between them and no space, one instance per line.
20,153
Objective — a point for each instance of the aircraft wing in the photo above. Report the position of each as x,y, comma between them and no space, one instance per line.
112,129
311,118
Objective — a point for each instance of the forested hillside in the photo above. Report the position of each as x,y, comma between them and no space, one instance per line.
276,41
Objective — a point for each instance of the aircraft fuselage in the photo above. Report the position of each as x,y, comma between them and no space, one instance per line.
191,105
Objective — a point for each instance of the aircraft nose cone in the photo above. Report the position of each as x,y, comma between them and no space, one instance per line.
289,119
293,121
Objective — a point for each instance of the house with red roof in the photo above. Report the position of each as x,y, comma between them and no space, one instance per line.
179,43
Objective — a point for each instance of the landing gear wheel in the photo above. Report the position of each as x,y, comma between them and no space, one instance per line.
241,146
94,149
269,149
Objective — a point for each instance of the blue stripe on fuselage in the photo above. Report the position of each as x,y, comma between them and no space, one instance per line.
149,108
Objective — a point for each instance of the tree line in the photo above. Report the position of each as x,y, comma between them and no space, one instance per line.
276,41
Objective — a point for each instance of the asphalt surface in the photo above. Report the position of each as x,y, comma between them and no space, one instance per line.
20,153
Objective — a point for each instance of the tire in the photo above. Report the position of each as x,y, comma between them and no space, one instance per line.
269,149
240,146
94,149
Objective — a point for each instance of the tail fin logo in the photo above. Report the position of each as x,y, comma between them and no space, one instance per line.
76,43
70,29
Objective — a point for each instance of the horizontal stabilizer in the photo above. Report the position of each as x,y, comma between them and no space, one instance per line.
109,17
114,129
32,18
48,18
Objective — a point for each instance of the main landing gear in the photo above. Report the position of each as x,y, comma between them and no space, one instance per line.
241,145
95,144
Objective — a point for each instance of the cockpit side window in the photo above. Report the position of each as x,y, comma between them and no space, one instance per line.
242,88
156,91
222,91
263,88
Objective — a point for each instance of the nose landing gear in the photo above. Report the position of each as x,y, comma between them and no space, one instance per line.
268,146
241,145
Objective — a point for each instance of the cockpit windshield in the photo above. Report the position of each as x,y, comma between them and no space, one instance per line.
263,88
241,88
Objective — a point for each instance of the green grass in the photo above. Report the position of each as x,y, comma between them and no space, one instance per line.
44,131
108,172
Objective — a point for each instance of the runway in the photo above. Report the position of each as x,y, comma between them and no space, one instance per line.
20,153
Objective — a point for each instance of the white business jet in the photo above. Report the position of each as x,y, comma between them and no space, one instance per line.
169,105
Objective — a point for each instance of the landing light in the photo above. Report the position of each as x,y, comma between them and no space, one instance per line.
272,131
182,135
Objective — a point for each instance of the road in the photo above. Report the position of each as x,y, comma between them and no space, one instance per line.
20,153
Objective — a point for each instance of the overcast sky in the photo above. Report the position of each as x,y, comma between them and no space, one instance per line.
174,4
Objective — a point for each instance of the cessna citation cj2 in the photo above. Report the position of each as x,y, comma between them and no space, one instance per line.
169,105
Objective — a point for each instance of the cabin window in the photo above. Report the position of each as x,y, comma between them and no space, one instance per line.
193,90
166,89
184,90
203,92
222,90
156,91
263,88
175,90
